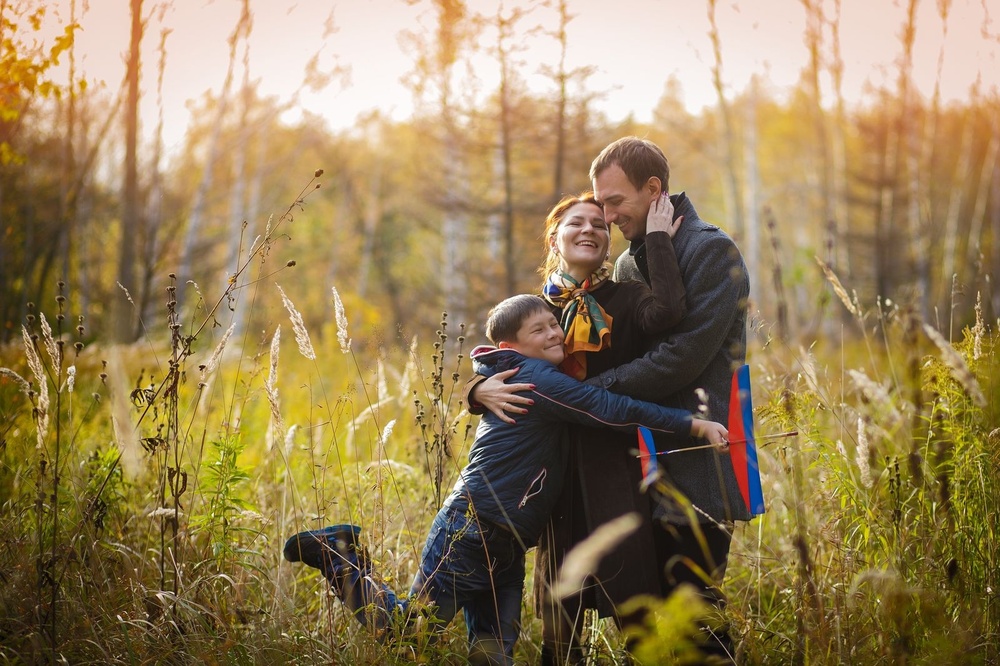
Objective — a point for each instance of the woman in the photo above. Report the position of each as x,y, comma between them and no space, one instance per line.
606,324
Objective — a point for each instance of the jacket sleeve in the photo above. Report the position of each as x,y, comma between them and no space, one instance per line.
565,399
717,289
664,305
468,395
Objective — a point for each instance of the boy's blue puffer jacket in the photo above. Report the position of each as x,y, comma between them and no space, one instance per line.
515,472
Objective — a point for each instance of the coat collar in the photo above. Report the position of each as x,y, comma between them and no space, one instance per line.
682,206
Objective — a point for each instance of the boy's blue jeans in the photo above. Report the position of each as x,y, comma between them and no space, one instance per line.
466,564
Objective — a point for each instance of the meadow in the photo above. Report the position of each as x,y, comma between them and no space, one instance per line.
146,490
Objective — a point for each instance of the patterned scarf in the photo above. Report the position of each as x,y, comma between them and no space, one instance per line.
586,324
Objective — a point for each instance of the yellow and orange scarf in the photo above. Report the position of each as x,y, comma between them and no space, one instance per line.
586,324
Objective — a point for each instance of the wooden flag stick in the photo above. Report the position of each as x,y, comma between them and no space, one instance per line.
790,433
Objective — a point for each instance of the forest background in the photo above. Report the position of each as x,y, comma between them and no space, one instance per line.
162,275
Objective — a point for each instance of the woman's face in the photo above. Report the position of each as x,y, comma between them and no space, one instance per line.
582,239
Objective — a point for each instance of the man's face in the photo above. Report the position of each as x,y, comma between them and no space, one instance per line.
541,337
624,205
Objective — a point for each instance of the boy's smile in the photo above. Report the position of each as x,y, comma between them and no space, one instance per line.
541,337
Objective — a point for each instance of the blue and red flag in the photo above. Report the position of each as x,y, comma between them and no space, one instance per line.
647,457
742,445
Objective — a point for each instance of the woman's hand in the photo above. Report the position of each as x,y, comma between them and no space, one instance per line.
661,216
500,398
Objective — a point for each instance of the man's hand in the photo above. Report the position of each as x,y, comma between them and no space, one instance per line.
715,433
661,216
500,398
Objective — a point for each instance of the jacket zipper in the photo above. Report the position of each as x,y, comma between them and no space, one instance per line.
540,482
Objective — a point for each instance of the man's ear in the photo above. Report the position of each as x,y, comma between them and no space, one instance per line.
654,187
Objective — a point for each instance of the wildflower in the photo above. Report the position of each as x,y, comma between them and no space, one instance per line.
253,246
411,370
978,329
841,449
164,512
127,294
272,375
382,387
838,289
290,440
213,361
959,370
864,454
298,328
250,514
21,381
271,386
70,378
877,394
50,342
872,391
808,364
345,342
38,372
387,431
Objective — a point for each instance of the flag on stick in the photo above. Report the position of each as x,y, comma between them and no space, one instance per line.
647,456
742,446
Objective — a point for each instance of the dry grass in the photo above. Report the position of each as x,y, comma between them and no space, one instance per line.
876,547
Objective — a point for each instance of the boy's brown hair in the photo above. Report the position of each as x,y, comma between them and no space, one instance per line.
506,317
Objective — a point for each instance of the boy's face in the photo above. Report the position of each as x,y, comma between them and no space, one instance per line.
541,337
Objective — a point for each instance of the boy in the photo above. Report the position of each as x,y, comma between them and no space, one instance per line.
474,555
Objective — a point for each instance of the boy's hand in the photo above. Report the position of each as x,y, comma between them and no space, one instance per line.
500,398
715,433
661,216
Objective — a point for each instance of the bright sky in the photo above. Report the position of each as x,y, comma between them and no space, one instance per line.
636,45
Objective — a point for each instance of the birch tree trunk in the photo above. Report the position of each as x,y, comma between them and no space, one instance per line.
956,194
154,209
561,78
238,220
884,213
975,258
196,220
916,230
731,188
994,265
751,250
372,207
67,183
841,254
504,33
496,239
453,225
125,313
814,38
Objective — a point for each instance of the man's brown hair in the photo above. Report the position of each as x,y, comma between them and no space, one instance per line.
638,158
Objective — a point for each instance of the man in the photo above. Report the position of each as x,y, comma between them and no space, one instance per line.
701,353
